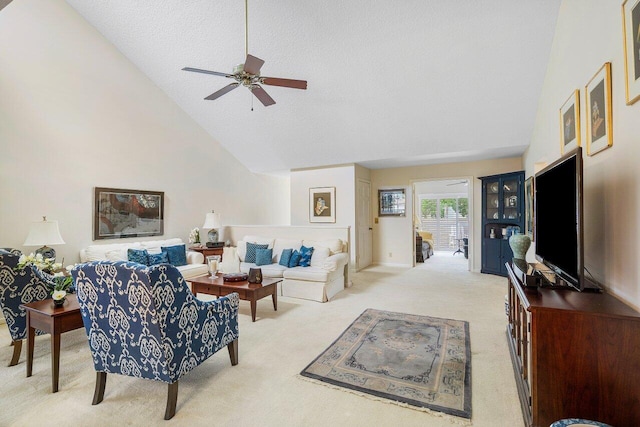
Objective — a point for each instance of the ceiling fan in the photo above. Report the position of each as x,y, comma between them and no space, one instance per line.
248,75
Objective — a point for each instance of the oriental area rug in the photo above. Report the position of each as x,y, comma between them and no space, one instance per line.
417,361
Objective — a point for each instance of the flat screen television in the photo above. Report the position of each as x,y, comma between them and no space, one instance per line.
559,235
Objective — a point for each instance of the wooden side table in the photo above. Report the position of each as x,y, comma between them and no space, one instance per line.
208,251
44,316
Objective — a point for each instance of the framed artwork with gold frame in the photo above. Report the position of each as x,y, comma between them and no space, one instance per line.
631,33
570,123
529,207
599,115
322,204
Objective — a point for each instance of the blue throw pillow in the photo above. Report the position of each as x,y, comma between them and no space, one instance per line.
141,256
285,257
305,256
295,258
264,256
177,255
160,258
251,251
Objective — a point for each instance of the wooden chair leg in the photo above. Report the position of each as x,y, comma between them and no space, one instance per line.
172,398
101,382
233,352
17,347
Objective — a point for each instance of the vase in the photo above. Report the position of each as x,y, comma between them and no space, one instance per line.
58,302
519,245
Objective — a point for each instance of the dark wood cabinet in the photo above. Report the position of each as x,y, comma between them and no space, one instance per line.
574,354
502,212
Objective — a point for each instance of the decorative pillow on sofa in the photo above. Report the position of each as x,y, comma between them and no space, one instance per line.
177,255
305,256
264,256
285,257
138,255
251,251
160,258
295,258
320,255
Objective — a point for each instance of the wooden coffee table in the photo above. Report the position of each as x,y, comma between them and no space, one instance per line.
248,291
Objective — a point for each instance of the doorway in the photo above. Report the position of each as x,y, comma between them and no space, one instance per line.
442,210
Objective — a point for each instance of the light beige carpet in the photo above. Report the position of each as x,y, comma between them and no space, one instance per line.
264,389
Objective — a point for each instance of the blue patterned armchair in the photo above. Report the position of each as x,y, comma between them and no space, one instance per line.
144,322
17,288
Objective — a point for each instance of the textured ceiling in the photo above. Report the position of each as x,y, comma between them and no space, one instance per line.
391,83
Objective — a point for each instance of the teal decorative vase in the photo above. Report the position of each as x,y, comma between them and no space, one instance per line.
519,245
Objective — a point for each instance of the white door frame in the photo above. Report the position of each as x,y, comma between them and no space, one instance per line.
470,187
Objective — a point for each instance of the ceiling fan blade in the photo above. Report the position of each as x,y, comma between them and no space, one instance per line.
262,95
252,65
218,94
275,81
215,73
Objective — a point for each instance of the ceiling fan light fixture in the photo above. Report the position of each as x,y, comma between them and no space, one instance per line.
248,75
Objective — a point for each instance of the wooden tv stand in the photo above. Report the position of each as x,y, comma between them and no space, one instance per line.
574,354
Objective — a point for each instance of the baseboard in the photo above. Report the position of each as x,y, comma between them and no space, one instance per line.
392,264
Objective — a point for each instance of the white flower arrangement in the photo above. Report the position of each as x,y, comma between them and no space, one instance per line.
59,295
194,235
48,265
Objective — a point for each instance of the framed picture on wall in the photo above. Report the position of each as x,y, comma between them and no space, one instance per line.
599,116
570,123
122,213
392,202
528,206
322,204
631,28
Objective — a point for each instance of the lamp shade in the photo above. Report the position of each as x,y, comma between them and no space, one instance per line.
212,220
42,233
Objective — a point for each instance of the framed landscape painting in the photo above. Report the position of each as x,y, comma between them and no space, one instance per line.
599,116
631,32
570,123
120,213
322,204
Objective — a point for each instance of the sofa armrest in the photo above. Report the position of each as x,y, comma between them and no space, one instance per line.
336,261
194,257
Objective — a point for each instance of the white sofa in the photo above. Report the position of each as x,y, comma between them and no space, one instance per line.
322,280
118,252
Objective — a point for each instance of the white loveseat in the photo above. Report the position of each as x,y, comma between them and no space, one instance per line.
322,280
118,252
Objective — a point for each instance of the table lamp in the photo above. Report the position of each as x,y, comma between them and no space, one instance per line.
212,222
44,233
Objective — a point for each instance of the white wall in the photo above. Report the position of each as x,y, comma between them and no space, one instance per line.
588,34
75,114
395,234
340,177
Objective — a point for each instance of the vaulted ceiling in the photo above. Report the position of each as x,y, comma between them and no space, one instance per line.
390,83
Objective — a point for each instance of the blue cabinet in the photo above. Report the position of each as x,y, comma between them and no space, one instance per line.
502,215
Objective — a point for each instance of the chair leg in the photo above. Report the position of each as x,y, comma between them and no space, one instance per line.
172,398
233,352
17,347
101,381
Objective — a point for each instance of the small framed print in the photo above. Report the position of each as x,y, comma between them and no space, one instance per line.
392,202
599,116
631,29
570,123
322,204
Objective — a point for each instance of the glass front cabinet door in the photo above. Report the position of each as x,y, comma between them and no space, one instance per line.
502,216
